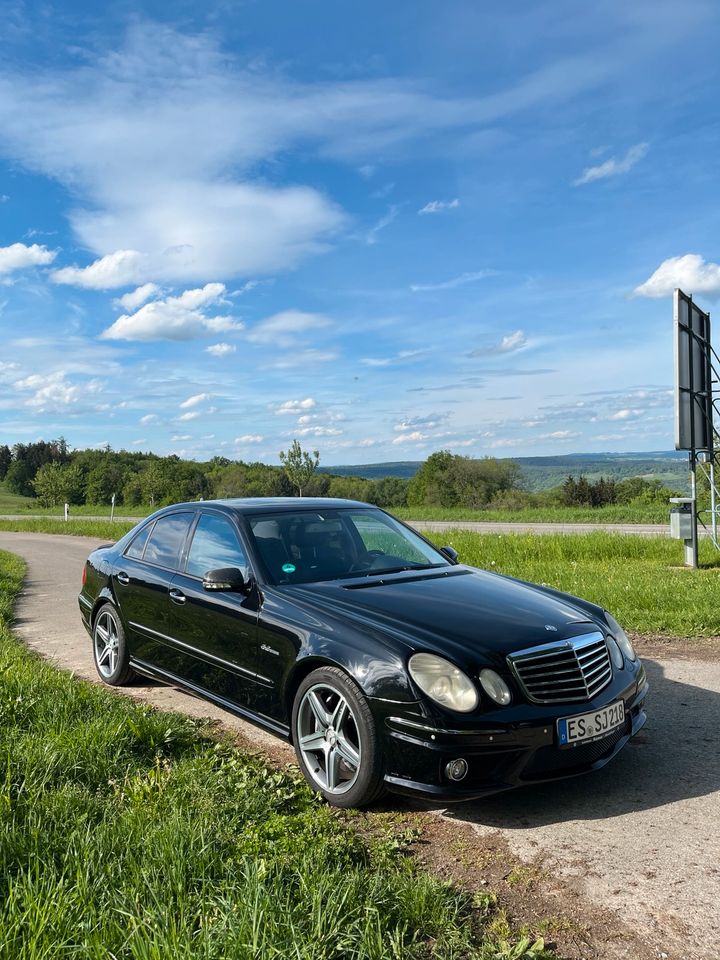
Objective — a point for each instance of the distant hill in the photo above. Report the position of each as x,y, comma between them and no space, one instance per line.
540,473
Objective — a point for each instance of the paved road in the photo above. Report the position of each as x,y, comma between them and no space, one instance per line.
641,837
438,526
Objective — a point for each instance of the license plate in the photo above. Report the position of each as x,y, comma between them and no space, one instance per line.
586,727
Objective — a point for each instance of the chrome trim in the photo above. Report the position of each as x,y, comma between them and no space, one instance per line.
564,668
422,726
201,654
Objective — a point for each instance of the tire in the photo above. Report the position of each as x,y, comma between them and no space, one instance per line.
336,741
110,649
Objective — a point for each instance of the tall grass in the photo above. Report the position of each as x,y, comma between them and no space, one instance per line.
124,833
613,513
641,580
101,529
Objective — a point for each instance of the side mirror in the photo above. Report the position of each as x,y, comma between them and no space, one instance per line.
225,578
450,553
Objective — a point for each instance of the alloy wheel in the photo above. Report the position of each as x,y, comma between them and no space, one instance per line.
328,739
107,644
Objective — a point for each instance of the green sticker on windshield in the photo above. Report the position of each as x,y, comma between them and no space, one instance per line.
288,568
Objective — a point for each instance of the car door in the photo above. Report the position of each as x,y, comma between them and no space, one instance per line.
141,581
217,630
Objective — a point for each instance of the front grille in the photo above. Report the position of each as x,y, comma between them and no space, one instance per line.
566,671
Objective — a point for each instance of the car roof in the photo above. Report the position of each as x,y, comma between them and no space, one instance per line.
273,504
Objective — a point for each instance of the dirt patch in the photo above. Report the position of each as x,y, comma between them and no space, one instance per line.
659,647
524,892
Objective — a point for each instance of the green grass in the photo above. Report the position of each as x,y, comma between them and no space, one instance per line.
103,529
126,833
643,513
639,579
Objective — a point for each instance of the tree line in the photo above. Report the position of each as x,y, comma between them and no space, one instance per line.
54,474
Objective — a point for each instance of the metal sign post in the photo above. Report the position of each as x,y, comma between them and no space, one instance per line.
696,388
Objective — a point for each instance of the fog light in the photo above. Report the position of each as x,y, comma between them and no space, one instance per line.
456,769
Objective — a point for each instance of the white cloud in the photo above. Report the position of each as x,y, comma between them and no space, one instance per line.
560,435
609,436
690,272
300,358
414,437
116,269
149,418
134,299
371,237
427,422
439,206
195,400
613,167
295,406
220,349
18,256
186,417
318,432
181,437
510,343
55,392
626,413
283,329
454,281
175,318
249,438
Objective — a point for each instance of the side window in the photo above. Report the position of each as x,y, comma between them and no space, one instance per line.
165,543
214,545
377,533
137,545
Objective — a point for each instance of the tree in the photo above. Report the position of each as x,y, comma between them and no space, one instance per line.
5,460
18,479
299,465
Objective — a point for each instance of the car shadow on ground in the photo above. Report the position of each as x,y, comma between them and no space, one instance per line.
676,756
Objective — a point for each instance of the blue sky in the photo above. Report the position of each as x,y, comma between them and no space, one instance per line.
382,229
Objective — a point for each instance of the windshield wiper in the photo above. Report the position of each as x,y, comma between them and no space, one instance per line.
404,568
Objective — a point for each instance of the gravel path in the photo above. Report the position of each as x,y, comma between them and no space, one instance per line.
641,837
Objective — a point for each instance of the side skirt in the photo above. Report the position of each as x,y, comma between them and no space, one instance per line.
140,666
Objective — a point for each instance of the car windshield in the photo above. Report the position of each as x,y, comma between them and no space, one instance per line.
309,546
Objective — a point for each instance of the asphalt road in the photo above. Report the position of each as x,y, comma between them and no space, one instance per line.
640,838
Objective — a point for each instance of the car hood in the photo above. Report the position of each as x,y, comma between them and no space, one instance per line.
463,612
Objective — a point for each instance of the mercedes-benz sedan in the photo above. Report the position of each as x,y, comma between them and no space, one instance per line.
386,662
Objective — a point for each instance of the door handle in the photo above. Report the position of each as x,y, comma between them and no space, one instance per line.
122,578
177,596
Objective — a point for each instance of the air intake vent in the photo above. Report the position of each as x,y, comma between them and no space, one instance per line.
566,671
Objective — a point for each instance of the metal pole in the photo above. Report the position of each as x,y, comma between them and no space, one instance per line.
691,546
713,502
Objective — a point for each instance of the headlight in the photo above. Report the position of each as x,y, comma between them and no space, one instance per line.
621,637
495,687
443,682
615,653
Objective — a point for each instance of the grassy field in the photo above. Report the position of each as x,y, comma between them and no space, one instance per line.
611,514
103,529
126,833
641,580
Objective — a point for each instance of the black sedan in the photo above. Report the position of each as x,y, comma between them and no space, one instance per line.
386,662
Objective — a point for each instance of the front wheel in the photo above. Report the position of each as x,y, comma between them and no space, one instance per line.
336,739
110,650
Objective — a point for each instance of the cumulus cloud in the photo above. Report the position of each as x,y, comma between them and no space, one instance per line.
195,400
134,299
191,415
54,391
318,431
149,418
295,406
454,281
691,272
174,318
627,413
414,437
426,423
220,349
613,167
283,329
18,256
439,206
249,438
116,269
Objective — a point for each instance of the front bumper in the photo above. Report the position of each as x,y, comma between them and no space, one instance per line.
501,757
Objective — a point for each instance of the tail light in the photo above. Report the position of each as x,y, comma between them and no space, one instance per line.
84,575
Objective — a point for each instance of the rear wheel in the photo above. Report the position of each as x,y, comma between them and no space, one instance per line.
336,739
110,651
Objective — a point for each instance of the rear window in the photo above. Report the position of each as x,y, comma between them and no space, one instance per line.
165,543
